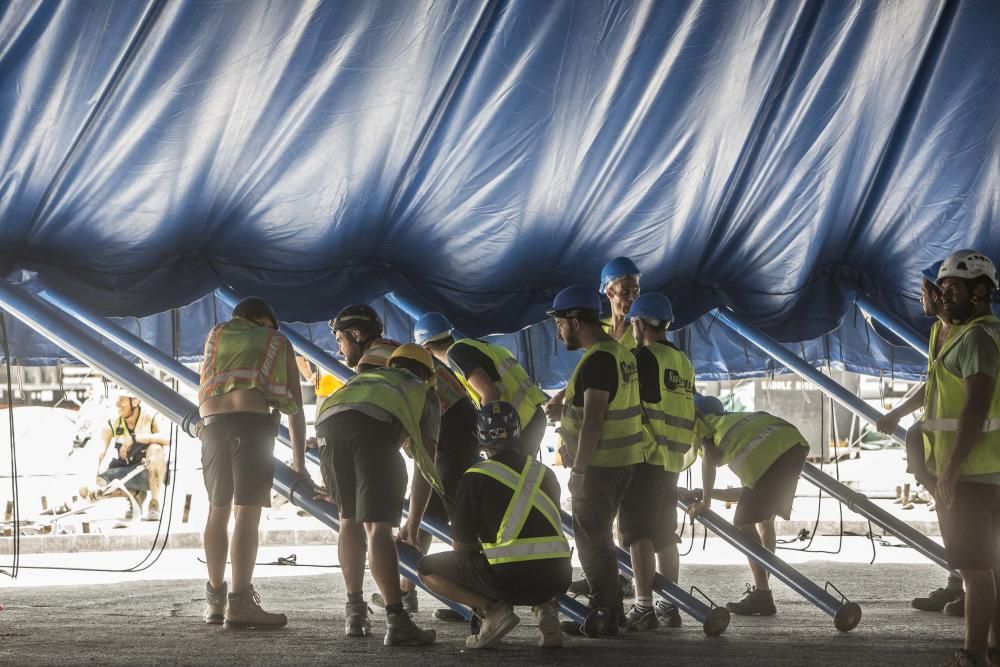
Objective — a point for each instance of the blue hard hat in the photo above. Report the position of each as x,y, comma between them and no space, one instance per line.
652,306
574,301
708,405
431,327
617,268
931,272
497,426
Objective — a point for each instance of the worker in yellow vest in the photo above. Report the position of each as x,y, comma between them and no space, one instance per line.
508,546
248,377
489,372
602,439
648,516
962,424
767,454
360,429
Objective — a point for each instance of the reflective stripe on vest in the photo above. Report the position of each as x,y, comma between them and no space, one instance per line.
671,421
527,494
241,354
448,387
514,385
945,399
751,442
623,436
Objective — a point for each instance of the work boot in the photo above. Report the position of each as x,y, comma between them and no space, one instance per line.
448,615
639,619
963,658
547,617
753,603
356,621
400,630
215,609
498,620
409,600
668,614
936,600
244,611
956,607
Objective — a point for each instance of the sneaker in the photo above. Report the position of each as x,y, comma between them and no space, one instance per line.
497,622
215,609
400,630
668,614
639,619
963,658
409,600
547,617
956,607
936,600
152,514
244,611
753,603
448,615
356,621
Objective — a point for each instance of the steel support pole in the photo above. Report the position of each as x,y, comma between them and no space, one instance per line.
67,334
893,324
855,501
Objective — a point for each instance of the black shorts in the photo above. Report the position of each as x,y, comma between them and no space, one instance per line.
361,456
774,492
971,527
450,467
528,583
649,508
237,458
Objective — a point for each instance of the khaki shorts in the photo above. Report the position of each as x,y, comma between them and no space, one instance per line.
237,458
971,527
774,492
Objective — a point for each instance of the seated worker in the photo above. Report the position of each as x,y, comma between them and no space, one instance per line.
767,454
138,439
489,372
507,540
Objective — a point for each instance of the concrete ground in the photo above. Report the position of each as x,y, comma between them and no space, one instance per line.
155,617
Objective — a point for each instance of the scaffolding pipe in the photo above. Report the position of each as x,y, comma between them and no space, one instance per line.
854,500
893,324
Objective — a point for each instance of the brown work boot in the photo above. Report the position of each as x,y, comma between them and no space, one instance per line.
215,609
244,611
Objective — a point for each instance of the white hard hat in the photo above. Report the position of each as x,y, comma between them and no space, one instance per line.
968,264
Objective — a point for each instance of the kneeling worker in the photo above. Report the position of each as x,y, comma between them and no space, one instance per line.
508,544
767,454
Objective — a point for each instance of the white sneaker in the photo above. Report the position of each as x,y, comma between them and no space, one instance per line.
499,620
549,632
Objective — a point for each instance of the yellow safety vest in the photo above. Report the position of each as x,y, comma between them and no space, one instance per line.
671,421
623,438
751,442
449,391
400,393
144,424
944,401
515,386
509,546
627,339
240,354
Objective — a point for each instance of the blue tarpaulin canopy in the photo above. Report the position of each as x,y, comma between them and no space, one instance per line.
477,156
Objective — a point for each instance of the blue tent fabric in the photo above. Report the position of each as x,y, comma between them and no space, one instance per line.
479,155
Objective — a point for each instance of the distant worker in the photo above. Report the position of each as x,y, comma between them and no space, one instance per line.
602,439
507,540
139,440
248,377
648,517
951,598
360,429
489,372
767,454
962,424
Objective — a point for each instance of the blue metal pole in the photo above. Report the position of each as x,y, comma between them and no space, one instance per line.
893,324
413,310
67,334
855,501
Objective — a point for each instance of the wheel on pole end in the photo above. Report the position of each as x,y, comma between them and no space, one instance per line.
596,623
716,621
847,617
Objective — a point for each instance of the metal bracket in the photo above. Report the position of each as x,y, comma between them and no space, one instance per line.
710,601
829,585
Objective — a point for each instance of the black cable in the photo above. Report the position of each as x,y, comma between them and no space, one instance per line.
290,560
16,513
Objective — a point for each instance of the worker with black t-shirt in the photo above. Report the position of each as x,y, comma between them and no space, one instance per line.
602,438
508,544
489,372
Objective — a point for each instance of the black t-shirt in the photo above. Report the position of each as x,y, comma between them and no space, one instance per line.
458,428
650,373
465,359
599,371
480,505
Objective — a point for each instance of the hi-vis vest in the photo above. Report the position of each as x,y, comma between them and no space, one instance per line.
945,399
627,339
515,386
752,441
671,421
509,546
623,438
120,430
449,390
400,393
240,354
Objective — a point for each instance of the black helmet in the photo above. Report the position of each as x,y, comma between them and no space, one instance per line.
358,315
497,427
253,307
